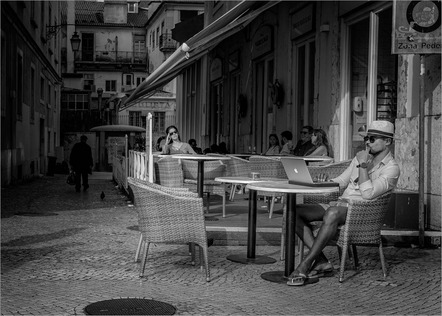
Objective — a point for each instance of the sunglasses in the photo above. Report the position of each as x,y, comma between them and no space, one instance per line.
304,133
171,133
372,139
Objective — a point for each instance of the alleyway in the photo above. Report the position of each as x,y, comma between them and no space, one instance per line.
62,250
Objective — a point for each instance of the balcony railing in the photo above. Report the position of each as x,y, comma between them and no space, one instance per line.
113,57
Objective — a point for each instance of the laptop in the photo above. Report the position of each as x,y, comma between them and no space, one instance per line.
297,172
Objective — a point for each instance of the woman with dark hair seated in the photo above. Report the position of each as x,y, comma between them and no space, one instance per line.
174,145
321,145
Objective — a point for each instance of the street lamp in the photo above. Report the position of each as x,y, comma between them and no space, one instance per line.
100,95
75,43
52,30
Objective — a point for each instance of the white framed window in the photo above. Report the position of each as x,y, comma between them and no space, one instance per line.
159,122
132,7
75,102
135,118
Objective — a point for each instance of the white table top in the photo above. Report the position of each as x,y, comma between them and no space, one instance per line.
306,158
285,187
245,180
196,157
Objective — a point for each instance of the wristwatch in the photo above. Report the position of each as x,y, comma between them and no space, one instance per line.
362,165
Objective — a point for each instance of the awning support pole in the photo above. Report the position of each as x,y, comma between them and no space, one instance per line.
421,153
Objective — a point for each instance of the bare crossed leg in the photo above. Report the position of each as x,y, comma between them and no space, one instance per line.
331,219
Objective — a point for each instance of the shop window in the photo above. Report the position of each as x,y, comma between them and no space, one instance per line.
88,82
75,102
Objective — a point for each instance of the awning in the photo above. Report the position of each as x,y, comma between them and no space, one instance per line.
117,128
230,23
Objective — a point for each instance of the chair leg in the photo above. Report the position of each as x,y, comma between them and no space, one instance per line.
144,258
208,202
355,256
381,254
344,255
192,251
140,244
206,261
282,245
272,205
232,191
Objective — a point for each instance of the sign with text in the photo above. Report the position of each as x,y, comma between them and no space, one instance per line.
302,22
416,27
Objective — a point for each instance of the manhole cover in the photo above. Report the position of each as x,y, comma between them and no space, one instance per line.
135,227
35,214
130,306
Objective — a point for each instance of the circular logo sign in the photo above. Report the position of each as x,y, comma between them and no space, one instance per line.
424,16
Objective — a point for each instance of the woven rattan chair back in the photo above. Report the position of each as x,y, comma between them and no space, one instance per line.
363,227
238,167
212,169
168,172
169,218
268,167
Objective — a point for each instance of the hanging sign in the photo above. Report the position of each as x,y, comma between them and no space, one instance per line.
262,41
416,27
302,22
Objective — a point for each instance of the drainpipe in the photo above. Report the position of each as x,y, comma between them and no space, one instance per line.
421,153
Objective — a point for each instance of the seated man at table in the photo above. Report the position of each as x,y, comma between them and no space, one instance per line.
372,173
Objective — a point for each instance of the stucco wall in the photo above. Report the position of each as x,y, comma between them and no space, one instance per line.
407,130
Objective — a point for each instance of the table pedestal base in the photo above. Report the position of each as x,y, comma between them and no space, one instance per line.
257,260
275,276
211,218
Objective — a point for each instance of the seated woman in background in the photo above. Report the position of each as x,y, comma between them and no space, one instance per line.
274,147
321,145
174,145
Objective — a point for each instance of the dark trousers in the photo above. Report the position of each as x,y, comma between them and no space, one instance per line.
78,176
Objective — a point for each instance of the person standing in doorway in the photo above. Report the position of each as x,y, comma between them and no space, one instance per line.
305,143
81,163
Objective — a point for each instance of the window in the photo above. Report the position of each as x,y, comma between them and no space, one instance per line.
139,80
42,19
32,102
128,79
135,118
88,82
132,7
159,122
19,85
158,35
75,102
49,103
42,89
111,85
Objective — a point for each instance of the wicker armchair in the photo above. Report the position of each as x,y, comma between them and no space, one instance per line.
168,172
212,169
173,191
268,167
363,227
332,170
169,218
237,167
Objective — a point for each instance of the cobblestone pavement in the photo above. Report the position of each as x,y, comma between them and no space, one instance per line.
77,250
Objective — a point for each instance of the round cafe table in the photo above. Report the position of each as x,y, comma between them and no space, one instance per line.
251,257
291,190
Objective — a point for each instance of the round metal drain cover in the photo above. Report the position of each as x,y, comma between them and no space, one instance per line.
130,306
35,214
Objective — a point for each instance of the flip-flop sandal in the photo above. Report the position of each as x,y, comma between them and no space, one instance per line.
300,279
326,273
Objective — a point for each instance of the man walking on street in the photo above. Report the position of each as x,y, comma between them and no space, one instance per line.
81,162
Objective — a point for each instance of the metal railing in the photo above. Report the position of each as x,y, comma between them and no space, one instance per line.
113,57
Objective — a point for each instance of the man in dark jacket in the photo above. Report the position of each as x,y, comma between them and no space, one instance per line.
81,162
305,143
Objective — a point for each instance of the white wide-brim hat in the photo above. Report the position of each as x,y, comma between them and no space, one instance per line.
380,128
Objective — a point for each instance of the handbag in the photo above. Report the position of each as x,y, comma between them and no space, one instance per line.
71,178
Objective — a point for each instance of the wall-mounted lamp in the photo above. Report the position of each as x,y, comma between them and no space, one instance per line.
52,30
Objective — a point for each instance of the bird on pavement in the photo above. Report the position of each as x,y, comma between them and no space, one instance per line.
102,195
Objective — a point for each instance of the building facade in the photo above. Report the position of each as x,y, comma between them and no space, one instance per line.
31,88
160,44
328,64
